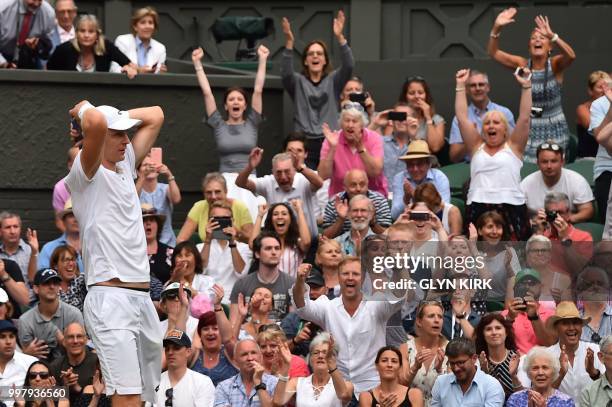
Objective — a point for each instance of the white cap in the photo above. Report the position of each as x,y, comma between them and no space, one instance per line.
118,119
3,296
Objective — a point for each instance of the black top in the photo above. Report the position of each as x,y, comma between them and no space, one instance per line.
405,403
65,58
13,270
160,262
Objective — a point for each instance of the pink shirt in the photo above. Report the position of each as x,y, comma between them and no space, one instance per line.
524,336
60,195
347,158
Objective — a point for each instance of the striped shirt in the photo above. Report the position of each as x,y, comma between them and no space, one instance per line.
381,206
501,372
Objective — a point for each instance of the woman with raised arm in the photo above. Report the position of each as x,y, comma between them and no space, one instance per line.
496,155
316,90
548,122
236,130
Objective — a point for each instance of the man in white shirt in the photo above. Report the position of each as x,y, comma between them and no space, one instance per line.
13,365
357,325
552,177
180,386
579,363
119,314
601,116
289,180
65,13
603,135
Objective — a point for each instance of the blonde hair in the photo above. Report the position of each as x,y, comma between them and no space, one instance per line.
99,47
502,117
596,76
271,335
142,13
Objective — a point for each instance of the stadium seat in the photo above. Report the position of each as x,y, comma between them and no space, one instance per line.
572,149
585,168
528,168
457,175
595,229
460,204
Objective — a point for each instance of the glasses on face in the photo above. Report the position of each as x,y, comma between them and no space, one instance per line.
539,251
169,394
68,260
315,53
458,363
42,375
319,352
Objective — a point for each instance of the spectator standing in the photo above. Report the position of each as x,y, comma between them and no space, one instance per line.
316,90
41,327
61,195
89,51
159,195
72,287
417,94
287,182
467,384
13,247
552,177
25,25
65,13
598,393
548,121
179,385
335,219
497,153
354,146
477,89
71,237
236,130
214,188
601,117
148,54
160,255
418,160
587,146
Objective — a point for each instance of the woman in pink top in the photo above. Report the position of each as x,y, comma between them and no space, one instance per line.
353,147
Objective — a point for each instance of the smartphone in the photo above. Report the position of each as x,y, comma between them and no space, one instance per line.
420,216
521,291
521,72
224,222
397,116
156,155
357,97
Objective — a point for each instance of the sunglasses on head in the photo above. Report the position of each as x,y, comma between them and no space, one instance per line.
42,375
549,147
415,78
169,394
353,105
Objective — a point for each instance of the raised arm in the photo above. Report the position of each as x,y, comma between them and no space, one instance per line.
94,128
469,133
243,180
304,232
209,99
286,69
503,19
342,74
225,327
152,121
604,137
326,165
567,56
260,78
520,135
299,287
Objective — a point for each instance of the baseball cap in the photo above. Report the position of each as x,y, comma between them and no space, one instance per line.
527,273
3,296
67,209
118,119
6,325
315,278
177,337
46,275
173,288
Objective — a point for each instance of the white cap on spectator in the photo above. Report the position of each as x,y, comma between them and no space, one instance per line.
3,296
118,119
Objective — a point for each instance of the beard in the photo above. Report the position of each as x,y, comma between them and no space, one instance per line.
360,225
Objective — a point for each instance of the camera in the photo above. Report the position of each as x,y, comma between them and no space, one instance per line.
358,98
536,112
551,216
397,116
224,222
420,216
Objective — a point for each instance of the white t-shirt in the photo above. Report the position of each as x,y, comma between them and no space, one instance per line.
220,267
571,183
193,390
107,207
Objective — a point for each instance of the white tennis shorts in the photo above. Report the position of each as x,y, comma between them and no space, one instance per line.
125,330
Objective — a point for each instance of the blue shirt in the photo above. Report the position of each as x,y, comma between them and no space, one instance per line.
44,257
232,393
485,391
605,326
558,399
159,200
475,115
141,51
347,244
434,176
392,152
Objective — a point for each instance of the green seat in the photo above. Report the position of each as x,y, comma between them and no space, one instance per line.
595,229
457,175
572,149
195,238
460,204
528,168
584,168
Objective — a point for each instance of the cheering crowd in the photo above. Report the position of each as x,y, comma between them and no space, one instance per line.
264,297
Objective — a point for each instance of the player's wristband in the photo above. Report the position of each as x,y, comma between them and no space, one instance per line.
85,108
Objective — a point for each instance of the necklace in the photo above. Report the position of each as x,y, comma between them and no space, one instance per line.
501,361
317,389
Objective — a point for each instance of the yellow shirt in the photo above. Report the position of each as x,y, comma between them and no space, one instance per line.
199,214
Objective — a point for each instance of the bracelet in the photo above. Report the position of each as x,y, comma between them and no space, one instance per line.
218,309
526,87
429,122
199,68
5,278
554,38
332,370
172,178
495,35
207,241
232,245
361,151
83,109
284,379
533,318
459,89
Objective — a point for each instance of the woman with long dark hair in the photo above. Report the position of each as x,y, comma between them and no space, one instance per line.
316,90
499,357
186,264
548,121
39,375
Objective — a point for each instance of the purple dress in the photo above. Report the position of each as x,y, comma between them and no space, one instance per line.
558,399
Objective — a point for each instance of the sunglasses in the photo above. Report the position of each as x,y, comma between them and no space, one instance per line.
169,394
353,105
415,78
42,375
549,147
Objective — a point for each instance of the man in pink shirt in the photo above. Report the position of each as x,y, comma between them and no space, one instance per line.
353,147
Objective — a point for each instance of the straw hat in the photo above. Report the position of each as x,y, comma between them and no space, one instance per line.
67,209
417,149
566,310
149,211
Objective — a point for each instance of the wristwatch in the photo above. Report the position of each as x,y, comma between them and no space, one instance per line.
567,243
260,386
533,318
302,168
460,316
